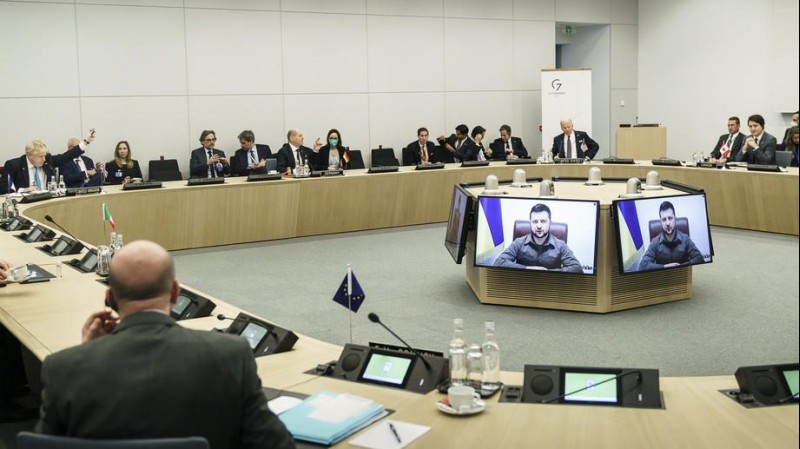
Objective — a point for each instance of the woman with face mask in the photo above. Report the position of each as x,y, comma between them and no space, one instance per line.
332,156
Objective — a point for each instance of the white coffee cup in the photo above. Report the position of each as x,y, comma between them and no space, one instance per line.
462,398
19,273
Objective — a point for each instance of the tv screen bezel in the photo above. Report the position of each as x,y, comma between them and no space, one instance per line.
459,247
616,223
545,200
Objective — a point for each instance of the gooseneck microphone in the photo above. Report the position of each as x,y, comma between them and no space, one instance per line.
50,219
223,317
375,319
618,376
245,319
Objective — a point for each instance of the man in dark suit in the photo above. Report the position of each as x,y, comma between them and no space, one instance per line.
462,147
728,145
207,161
760,147
293,153
31,171
251,157
143,376
572,144
421,151
506,147
81,171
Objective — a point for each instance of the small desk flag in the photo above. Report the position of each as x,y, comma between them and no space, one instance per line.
357,295
107,216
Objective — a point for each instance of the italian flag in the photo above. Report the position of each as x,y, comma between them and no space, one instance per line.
107,216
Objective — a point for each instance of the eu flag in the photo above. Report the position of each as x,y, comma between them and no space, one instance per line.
357,294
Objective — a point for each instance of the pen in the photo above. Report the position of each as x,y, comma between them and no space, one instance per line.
394,431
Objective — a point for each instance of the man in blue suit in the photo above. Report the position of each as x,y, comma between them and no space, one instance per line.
760,147
506,147
207,161
81,171
572,144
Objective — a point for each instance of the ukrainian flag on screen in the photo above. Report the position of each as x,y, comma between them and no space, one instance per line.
490,231
630,236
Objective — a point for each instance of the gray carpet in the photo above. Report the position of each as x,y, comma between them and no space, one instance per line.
744,309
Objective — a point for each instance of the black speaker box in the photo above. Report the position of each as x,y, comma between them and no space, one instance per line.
275,341
767,383
541,383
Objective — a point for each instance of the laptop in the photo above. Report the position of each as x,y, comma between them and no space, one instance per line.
783,158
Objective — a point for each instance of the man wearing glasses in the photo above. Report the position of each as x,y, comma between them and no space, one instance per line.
207,161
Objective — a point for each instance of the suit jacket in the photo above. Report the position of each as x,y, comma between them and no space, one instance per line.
763,154
286,158
240,161
319,160
75,177
16,169
467,152
152,378
580,136
198,164
117,174
499,152
413,149
735,147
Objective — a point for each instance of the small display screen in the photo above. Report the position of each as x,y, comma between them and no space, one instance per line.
390,369
59,246
89,261
180,305
13,225
254,333
34,234
790,376
578,381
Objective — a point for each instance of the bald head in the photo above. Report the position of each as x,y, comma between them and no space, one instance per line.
295,137
566,126
142,270
73,142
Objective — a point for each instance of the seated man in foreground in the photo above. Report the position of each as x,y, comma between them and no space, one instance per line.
143,376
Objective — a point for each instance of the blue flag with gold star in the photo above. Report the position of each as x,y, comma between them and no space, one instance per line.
357,294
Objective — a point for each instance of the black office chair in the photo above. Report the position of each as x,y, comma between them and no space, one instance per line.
442,155
382,157
29,440
558,230
164,170
408,157
356,160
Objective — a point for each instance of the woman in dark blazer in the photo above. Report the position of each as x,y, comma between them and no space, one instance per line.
332,156
122,169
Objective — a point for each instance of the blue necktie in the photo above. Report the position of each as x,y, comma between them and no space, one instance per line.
36,179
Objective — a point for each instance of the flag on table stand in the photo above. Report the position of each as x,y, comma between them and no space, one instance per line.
350,295
725,151
346,156
107,216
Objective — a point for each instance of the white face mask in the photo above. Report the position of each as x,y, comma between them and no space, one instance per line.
794,123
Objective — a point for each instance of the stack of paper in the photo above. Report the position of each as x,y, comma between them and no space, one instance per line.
326,417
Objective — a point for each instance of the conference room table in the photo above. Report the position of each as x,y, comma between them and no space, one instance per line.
47,317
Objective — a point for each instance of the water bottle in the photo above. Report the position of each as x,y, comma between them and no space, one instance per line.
458,356
490,379
474,366
62,186
117,243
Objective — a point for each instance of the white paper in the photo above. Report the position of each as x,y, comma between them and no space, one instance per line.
380,436
283,403
336,409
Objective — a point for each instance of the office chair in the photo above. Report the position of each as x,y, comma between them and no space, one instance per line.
783,158
382,157
356,160
408,158
523,227
30,440
442,155
164,170
681,224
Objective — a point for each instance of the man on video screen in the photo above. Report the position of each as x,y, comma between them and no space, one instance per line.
670,248
539,250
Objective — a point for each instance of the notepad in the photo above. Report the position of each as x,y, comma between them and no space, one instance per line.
327,417
380,436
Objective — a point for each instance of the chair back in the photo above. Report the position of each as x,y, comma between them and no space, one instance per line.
783,158
382,157
164,170
356,160
272,164
442,155
30,440
408,157
558,230
681,224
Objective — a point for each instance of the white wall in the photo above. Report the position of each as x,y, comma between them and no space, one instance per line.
158,72
703,61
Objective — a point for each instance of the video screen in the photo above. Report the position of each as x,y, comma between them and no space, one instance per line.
554,235
662,233
390,369
59,246
180,306
254,333
89,261
457,227
34,234
573,381
790,376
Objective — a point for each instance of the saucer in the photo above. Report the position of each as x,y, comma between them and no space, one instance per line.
478,407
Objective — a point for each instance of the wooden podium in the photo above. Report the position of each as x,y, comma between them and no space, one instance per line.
645,142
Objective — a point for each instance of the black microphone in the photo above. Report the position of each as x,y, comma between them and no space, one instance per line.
246,319
222,317
618,376
375,319
50,219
